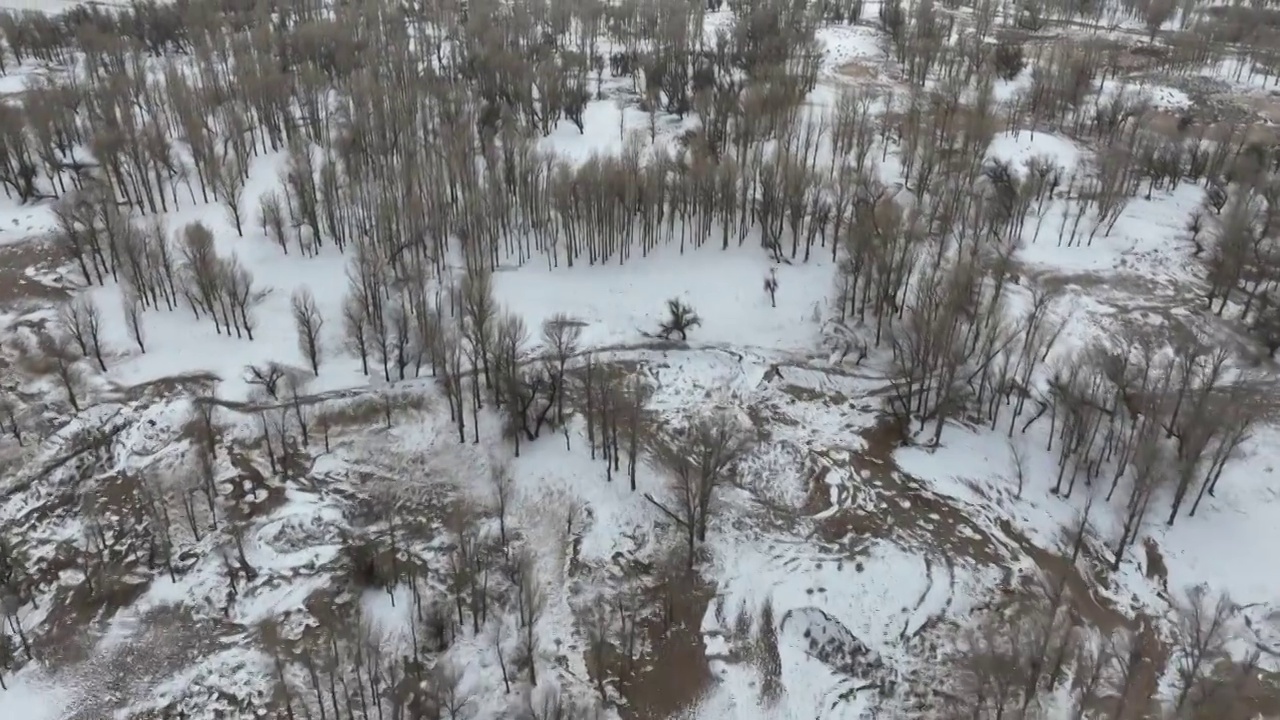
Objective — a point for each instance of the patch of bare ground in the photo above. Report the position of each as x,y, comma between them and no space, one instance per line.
248,493
674,673
195,384
885,503
1122,54
111,577
171,638
910,514
17,286
863,72
1172,124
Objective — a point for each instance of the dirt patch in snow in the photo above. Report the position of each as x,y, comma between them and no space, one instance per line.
860,70
878,500
675,672
20,266
886,503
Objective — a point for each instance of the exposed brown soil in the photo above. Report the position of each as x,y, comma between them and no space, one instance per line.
1166,123
1125,55
15,285
675,673
861,71
915,516
172,638
892,505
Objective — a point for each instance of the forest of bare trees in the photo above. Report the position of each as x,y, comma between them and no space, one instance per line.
409,140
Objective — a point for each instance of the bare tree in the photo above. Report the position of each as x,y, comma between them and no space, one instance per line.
503,486
530,602
355,326
1156,14
241,295
62,354
1019,458
452,369
81,320
307,320
1203,632
479,312
561,335
271,214
499,635
699,463
133,318
598,650
267,376
229,180
446,683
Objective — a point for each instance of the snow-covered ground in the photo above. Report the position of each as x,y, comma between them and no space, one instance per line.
766,360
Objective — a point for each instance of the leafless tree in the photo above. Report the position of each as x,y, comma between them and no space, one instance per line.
271,213
479,315
307,320
132,306
448,349
267,376
1203,631
499,635
241,295
530,602
355,326
1157,13
446,683
81,320
561,336
503,487
60,351
598,650
1019,458
229,180
698,463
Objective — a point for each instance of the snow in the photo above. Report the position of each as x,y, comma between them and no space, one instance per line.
1245,513
1018,147
1008,90
610,122
848,43
390,614
619,303
20,223
1144,239
31,696
875,590
547,477
1240,74
975,468
1161,97
177,344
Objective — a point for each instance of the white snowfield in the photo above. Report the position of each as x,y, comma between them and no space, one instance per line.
786,367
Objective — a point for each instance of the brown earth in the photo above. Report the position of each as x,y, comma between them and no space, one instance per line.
16,287
920,518
674,674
